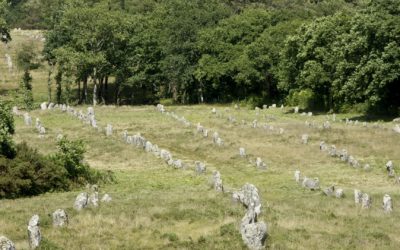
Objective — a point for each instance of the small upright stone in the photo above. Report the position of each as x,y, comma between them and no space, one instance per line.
27,119
387,204
81,201
200,167
6,244
296,110
219,142
358,196
93,199
34,232
297,176
329,191
106,198
214,111
339,193
390,169
260,163
60,218
242,152
304,138
43,106
366,201
312,184
217,182
109,130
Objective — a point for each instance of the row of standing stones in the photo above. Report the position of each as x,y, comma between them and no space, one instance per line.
60,218
253,233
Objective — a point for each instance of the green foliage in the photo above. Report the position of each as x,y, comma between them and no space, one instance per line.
29,173
7,147
4,30
304,98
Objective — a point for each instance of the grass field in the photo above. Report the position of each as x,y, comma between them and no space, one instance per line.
157,207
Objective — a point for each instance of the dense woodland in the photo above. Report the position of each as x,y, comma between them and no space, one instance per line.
332,55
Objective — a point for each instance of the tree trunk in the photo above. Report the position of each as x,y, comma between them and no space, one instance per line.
79,91
59,88
49,83
84,97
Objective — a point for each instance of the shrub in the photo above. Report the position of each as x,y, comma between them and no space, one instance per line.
7,147
30,173
305,98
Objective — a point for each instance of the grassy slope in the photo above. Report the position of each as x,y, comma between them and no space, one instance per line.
155,206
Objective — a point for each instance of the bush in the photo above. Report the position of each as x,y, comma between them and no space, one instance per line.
252,102
167,101
7,147
305,99
30,173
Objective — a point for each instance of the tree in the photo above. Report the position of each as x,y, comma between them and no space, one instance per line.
7,147
4,30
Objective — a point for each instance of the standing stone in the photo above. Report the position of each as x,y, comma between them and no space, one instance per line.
296,110
43,106
34,232
27,119
297,176
42,131
38,124
366,201
339,193
214,111
312,184
200,167
220,142
60,218
51,106
254,235
199,128
281,130
93,199
326,125
323,146
249,197
217,182
205,133
367,167
236,106
6,244
109,130
242,152
9,63
165,155
149,147
260,163
390,168
387,204
344,156
265,106
332,151
329,191
81,201
358,196
304,138
106,198
334,117
215,137
254,124
396,128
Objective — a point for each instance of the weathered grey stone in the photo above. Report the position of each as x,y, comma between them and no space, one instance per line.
358,196
94,199
60,218
343,155
339,193
304,138
396,129
312,184
199,128
6,244
165,155
326,125
309,114
177,163
390,169
297,176
367,167
217,182
149,146
387,203
34,234
330,191
43,106
27,119
296,110
109,130
106,198
353,162
219,142
200,167
281,131
254,235
242,152
254,124
81,201
214,111
205,133
366,201
260,163
396,120
249,197
332,151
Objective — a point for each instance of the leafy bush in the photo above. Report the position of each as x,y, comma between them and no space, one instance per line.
167,101
70,157
253,101
7,147
305,98
30,173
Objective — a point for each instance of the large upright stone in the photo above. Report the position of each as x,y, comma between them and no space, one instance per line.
254,235
249,197
6,244
390,169
93,199
387,204
27,119
34,232
81,201
165,155
60,218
